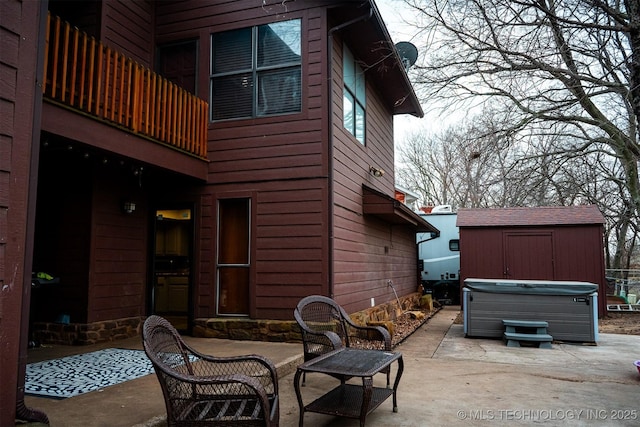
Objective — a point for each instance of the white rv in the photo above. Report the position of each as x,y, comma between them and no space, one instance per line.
439,256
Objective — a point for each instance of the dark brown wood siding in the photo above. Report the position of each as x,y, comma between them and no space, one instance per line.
278,162
368,252
84,15
204,305
194,19
577,254
119,246
127,26
84,237
289,245
19,22
62,236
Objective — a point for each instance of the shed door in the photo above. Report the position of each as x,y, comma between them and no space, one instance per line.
529,256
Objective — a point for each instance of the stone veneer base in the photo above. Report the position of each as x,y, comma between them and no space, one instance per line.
288,330
226,328
87,333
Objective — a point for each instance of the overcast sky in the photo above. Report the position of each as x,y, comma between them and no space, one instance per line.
395,13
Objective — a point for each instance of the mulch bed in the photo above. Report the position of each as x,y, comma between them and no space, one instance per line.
627,323
407,323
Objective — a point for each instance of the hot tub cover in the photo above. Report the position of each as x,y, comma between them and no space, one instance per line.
530,287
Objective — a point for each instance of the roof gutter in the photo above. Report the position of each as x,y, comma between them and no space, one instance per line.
330,41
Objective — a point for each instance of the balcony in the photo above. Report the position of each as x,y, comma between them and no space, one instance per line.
83,75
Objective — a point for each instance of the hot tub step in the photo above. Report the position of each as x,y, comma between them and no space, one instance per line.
513,339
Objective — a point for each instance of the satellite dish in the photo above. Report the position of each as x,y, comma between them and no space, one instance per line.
408,53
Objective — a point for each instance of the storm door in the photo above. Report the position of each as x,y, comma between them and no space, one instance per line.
529,255
172,278
233,263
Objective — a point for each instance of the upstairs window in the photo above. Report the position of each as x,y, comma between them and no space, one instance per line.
354,101
256,71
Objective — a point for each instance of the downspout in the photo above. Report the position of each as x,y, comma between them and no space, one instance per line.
330,133
437,235
22,411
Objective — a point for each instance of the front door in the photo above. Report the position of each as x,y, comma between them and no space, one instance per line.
172,276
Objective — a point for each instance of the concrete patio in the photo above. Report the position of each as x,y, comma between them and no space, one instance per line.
448,380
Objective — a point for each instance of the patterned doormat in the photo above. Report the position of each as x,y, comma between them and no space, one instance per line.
74,375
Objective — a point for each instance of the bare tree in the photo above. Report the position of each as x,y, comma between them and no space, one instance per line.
467,165
567,71
474,165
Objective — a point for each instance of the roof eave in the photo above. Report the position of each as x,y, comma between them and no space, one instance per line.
373,39
392,211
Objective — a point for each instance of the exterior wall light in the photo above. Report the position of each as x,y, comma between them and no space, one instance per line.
374,171
129,207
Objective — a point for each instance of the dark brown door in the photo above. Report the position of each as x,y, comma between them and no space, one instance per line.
529,256
178,63
234,263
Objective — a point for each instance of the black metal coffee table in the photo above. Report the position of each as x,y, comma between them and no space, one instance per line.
350,400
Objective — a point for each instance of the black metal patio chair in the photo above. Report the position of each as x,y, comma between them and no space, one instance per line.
202,390
325,326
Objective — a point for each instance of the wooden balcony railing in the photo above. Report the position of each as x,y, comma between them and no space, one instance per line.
83,74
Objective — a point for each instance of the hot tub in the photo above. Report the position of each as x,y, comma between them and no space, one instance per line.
570,308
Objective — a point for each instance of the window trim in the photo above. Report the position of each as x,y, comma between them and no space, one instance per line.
250,256
257,71
358,99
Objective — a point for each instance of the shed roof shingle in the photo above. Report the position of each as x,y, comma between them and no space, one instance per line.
546,215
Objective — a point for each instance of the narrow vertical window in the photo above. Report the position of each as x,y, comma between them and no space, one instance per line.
233,264
354,100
